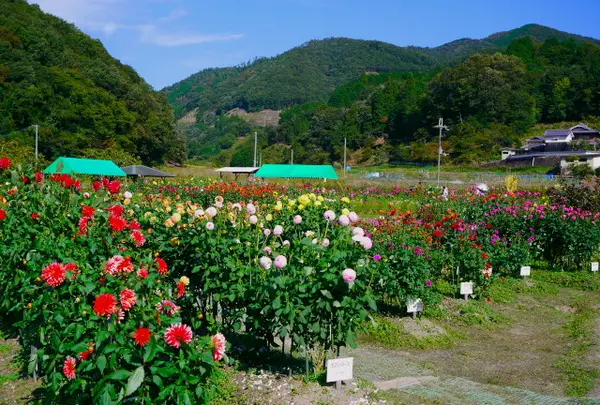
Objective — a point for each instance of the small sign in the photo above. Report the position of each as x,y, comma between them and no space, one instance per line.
466,288
340,369
594,267
415,305
525,271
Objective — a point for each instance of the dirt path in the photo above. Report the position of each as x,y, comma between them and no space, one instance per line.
13,389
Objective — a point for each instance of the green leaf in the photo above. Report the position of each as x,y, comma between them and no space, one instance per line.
119,375
157,380
186,398
150,351
327,294
336,304
101,363
105,399
135,380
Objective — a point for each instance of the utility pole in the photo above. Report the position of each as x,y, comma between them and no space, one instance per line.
441,127
37,127
344,157
292,158
255,147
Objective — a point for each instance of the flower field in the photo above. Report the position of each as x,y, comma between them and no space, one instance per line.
129,292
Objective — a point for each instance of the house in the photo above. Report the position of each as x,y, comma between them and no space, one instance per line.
583,132
507,152
592,159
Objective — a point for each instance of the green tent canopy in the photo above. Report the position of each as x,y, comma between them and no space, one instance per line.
297,172
64,165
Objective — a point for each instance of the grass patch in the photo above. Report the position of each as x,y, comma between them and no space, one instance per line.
4,378
390,333
580,331
4,349
578,280
471,313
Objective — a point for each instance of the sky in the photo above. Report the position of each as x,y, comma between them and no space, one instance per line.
165,41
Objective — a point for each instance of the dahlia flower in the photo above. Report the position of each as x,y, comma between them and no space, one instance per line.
329,215
297,219
349,275
69,367
265,262
105,305
178,334
54,274
218,343
211,212
278,230
280,262
344,220
142,336
128,299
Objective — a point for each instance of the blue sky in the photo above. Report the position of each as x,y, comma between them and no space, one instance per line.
168,40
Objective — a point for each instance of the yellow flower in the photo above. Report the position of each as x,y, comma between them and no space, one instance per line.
291,203
269,217
345,211
169,209
345,200
174,242
317,203
169,223
301,207
278,206
304,200
312,196
176,217
127,201
184,280
84,313
320,198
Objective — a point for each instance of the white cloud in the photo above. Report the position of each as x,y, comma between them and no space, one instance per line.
100,16
175,14
151,35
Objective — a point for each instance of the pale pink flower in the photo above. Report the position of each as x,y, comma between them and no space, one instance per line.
325,242
265,262
267,232
344,220
198,213
280,262
210,226
315,241
367,243
329,215
297,219
278,230
267,250
309,234
353,216
218,343
219,204
349,275
358,231
251,208
211,212
286,243
253,219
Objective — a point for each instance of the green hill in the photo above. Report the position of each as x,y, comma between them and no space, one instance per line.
85,101
311,72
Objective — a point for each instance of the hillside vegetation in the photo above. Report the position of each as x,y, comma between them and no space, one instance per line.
488,101
85,101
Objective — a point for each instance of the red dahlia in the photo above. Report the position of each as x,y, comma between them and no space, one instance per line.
83,356
39,176
162,266
133,225
142,336
117,224
2,215
87,211
96,185
168,307
128,299
116,210
54,274
138,238
114,186
143,273
178,334
69,367
83,226
180,289
105,305
35,216
5,163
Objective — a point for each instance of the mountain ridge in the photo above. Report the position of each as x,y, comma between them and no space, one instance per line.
289,79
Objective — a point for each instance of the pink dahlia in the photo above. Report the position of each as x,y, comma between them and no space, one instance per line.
349,275
168,307
265,262
138,238
280,262
297,219
344,220
54,274
178,334
278,230
329,215
162,266
128,299
218,343
69,367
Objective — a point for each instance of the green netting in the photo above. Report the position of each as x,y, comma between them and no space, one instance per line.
64,165
298,172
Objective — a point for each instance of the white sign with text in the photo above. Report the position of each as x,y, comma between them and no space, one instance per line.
466,288
340,369
525,271
415,305
594,267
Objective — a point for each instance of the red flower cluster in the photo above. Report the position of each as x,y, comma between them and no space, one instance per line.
55,274
105,305
66,181
5,163
119,264
2,215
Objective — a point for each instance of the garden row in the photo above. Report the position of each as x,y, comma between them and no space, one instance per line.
128,292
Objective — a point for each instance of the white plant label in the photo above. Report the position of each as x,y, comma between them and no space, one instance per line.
525,271
415,305
466,288
594,267
340,369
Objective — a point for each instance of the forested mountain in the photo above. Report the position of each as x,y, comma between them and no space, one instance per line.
488,101
85,101
310,72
